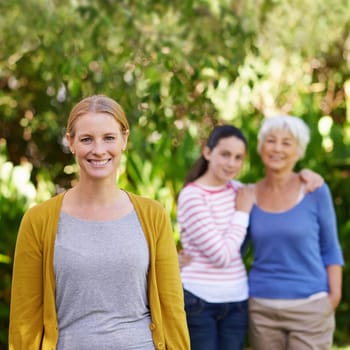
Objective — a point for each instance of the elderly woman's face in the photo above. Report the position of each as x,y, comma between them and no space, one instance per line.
279,150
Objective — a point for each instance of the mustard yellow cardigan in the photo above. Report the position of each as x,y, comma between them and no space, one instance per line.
33,318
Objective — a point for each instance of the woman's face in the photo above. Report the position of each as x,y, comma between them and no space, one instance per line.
225,160
97,144
279,150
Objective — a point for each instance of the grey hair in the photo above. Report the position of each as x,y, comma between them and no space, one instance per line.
295,125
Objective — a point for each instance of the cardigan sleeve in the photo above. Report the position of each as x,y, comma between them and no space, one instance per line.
170,287
26,313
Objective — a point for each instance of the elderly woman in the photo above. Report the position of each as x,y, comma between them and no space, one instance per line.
296,275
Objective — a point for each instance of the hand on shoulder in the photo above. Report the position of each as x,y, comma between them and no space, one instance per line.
311,180
245,198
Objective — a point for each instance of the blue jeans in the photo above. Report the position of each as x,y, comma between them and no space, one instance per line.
216,326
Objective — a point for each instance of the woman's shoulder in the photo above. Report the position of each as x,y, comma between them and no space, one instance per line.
144,202
322,190
148,209
43,213
321,194
48,205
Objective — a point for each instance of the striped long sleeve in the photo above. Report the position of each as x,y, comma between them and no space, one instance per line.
212,232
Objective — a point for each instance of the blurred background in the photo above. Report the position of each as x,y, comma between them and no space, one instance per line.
177,68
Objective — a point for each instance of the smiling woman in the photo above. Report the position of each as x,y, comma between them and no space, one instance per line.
296,275
97,140
96,267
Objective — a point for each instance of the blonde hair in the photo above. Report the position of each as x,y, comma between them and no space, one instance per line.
295,125
97,104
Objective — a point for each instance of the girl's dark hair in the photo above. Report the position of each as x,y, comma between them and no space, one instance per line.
218,133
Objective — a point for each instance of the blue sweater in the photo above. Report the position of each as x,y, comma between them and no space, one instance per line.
293,248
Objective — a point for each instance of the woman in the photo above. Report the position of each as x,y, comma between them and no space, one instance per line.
212,213
295,279
96,267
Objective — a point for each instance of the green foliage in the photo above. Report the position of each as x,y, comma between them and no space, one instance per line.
177,68
17,193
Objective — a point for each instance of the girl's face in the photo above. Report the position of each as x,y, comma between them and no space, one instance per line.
279,150
97,144
225,160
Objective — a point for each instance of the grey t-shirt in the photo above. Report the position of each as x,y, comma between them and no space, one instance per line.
101,272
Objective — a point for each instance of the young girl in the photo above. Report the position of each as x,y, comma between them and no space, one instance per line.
213,212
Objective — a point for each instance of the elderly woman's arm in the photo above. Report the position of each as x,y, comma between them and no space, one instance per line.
335,284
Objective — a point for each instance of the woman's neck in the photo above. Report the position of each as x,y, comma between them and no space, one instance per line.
95,194
278,192
276,181
96,203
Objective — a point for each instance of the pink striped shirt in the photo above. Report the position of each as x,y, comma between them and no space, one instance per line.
212,232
